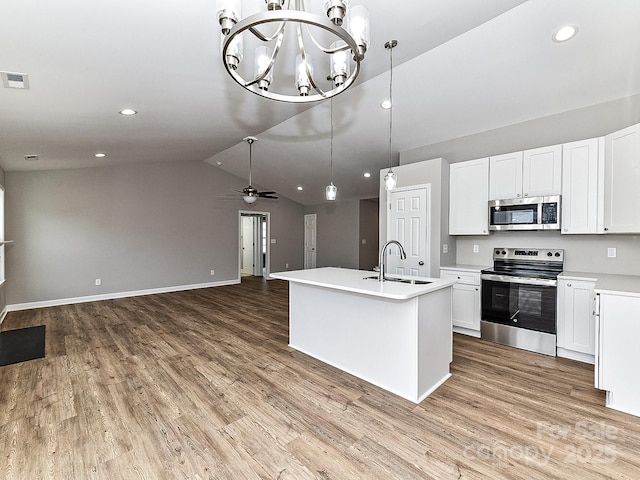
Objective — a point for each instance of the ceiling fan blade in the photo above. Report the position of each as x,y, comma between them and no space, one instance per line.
268,196
266,193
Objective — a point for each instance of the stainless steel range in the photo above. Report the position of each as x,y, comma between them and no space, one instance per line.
519,298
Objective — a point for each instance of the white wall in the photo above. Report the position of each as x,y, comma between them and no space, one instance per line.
136,227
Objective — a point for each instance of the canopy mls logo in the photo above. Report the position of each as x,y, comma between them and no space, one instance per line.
15,80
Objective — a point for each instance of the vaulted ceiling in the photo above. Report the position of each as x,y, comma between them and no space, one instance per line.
461,68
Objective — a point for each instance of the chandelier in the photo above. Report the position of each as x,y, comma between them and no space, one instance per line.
318,54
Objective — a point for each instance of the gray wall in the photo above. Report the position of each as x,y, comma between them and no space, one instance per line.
369,233
436,173
135,227
564,127
586,253
3,290
583,253
337,236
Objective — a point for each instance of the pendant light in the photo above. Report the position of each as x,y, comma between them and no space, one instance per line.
331,191
390,179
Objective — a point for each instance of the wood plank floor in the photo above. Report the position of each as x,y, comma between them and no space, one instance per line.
202,385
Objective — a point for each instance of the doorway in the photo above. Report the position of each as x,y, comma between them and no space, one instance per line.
254,251
310,228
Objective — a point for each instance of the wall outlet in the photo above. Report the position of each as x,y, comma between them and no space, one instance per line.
286,265
476,248
611,252
213,272
98,282
273,240
445,248
364,241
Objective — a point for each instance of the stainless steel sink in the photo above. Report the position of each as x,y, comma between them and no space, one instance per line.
410,281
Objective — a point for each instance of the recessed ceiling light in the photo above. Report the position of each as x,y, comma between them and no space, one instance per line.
367,174
100,155
386,104
219,163
565,33
299,187
127,111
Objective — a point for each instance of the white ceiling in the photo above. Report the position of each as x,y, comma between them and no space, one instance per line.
461,67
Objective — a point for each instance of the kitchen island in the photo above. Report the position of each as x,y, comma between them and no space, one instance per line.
395,335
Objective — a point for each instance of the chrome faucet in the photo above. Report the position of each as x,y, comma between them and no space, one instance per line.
383,258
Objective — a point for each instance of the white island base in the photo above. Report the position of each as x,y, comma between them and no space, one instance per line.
395,336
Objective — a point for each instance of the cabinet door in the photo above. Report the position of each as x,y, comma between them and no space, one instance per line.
505,176
583,186
468,198
466,306
542,171
622,177
576,320
619,354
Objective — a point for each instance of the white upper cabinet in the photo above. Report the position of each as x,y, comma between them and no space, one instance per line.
583,186
531,173
505,176
622,181
542,171
468,197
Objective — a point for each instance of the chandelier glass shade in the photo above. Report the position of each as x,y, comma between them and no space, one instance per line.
300,55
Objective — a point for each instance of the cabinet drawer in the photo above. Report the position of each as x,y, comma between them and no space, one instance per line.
469,278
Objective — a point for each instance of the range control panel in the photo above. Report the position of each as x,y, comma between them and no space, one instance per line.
556,255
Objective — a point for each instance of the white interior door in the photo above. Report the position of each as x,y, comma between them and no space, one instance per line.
408,223
310,226
247,241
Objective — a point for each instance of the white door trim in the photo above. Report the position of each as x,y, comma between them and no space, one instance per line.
307,262
427,232
267,262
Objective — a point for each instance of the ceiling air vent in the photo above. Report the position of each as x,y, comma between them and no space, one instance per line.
15,80
30,158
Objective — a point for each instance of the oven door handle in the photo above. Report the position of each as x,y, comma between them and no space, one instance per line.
544,282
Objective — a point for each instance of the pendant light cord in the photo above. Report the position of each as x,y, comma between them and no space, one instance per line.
331,143
390,101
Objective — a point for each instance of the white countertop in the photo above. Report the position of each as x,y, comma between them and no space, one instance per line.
353,281
628,285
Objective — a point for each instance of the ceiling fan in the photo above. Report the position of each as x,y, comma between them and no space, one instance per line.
249,193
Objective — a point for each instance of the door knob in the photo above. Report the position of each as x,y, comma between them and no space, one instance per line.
420,263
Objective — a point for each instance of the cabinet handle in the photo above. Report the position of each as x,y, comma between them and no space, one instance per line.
568,284
458,278
526,194
606,229
476,289
518,195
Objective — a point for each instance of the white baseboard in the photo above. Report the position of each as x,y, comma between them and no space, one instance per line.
3,314
110,296
579,356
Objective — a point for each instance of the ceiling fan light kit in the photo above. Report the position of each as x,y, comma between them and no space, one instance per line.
288,35
249,193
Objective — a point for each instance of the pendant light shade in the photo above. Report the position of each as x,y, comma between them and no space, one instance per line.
331,191
390,179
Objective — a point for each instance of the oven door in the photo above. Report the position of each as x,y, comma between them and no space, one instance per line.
519,302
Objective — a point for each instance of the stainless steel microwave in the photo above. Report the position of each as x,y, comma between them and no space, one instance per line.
528,213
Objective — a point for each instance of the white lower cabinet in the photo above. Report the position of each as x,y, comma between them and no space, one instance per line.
466,300
618,355
576,320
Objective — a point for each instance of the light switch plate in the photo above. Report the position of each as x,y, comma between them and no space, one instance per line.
611,252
